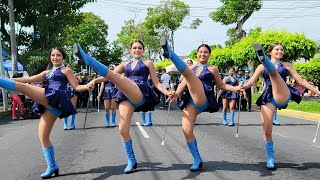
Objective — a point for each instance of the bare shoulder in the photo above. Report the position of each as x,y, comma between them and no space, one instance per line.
213,69
148,62
287,65
65,70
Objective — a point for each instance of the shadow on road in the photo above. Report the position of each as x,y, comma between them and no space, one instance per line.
209,166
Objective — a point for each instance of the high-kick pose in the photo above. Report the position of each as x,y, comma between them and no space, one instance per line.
109,97
277,93
199,93
54,101
134,94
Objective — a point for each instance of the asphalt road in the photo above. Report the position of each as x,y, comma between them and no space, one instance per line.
97,152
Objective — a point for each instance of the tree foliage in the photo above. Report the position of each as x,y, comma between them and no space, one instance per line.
310,70
296,46
91,33
140,31
235,12
168,18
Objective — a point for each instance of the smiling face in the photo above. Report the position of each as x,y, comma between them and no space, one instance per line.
56,57
276,52
203,55
136,50
231,71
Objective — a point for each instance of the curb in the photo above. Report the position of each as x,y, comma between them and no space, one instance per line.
299,114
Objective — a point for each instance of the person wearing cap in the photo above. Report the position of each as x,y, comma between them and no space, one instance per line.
240,76
248,93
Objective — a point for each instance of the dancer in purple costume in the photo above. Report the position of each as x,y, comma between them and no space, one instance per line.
197,83
277,93
53,101
229,98
109,97
134,94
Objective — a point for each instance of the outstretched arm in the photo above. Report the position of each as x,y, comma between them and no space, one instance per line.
222,85
36,78
254,77
299,79
73,81
155,80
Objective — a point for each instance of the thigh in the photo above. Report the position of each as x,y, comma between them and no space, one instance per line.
267,112
189,115
33,92
126,111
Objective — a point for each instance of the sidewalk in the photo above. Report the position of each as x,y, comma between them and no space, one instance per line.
299,114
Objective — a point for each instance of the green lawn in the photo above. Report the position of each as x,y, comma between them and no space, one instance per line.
306,106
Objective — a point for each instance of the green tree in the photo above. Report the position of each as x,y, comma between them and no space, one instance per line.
168,17
310,70
131,32
235,12
296,46
92,34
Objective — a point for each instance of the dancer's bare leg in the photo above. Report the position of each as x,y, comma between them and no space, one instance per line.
46,123
280,90
189,115
126,111
267,112
107,105
33,92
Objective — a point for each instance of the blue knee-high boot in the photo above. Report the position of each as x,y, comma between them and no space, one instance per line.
143,118
275,120
65,123
224,118
149,123
73,118
197,164
113,123
7,84
231,122
107,119
270,153
132,162
85,59
168,53
263,58
52,166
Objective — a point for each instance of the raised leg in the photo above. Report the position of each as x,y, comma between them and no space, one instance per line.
280,89
129,88
193,82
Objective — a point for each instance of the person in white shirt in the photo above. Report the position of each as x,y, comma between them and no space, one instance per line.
165,80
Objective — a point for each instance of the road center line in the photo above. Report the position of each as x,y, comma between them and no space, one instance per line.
144,133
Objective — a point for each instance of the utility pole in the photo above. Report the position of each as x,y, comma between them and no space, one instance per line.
4,92
12,37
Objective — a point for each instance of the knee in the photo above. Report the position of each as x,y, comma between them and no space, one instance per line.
113,108
267,132
187,132
123,131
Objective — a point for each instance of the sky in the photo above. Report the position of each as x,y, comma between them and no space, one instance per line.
302,16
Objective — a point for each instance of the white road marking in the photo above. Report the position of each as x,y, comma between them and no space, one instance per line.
144,133
316,146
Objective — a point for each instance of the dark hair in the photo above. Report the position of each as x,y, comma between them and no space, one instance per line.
189,60
232,68
273,45
137,41
17,75
64,55
206,46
